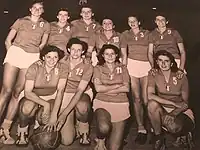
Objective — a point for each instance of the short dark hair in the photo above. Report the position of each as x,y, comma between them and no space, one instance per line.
37,1
174,67
77,41
51,48
62,9
86,5
102,50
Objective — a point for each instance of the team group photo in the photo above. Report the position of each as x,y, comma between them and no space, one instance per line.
82,82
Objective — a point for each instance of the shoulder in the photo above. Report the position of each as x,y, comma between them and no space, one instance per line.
75,22
35,65
125,32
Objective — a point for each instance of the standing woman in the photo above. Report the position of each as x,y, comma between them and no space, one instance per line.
44,89
169,39
107,35
60,31
78,95
85,27
136,40
111,106
27,36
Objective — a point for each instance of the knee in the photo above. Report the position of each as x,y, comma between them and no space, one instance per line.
6,91
83,106
104,128
152,106
114,147
17,90
176,127
26,107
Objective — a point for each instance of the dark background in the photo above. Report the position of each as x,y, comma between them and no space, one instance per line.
183,15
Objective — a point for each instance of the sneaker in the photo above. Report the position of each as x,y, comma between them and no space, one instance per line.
185,142
22,137
159,144
141,138
5,137
100,144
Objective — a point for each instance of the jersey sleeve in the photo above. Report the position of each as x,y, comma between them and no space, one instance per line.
64,71
123,40
151,37
151,80
47,28
97,73
92,40
185,86
32,72
16,25
126,77
88,72
178,37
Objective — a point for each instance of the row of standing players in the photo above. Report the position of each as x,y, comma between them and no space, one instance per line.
30,34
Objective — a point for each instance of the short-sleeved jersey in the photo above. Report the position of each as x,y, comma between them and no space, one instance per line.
29,34
137,44
119,75
99,39
59,36
83,31
171,90
82,71
44,81
168,40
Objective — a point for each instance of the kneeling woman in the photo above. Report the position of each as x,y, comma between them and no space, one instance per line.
111,106
45,81
78,95
168,101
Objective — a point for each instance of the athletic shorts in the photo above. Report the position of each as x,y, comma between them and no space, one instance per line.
138,68
118,111
17,57
68,96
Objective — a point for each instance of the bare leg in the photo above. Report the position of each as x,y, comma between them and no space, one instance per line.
83,109
9,77
116,136
103,127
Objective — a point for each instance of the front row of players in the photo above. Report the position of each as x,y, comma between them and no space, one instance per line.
65,84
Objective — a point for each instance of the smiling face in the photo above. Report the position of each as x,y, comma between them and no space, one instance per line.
107,24
86,13
76,51
109,55
164,63
37,9
133,22
51,59
161,21
62,16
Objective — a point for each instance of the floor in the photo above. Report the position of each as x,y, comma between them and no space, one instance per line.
75,146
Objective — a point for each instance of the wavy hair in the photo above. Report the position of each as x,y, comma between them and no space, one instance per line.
102,50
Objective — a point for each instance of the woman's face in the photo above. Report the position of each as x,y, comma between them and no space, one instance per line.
107,25
86,13
51,59
76,51
63,16
37,9
164,63
161,22
133,22
109,56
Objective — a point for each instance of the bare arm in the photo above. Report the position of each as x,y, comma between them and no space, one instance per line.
29,94
44,41
100,88
124,56
59,97
150,54
123,89
153,96
10,37
80,90
183,55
